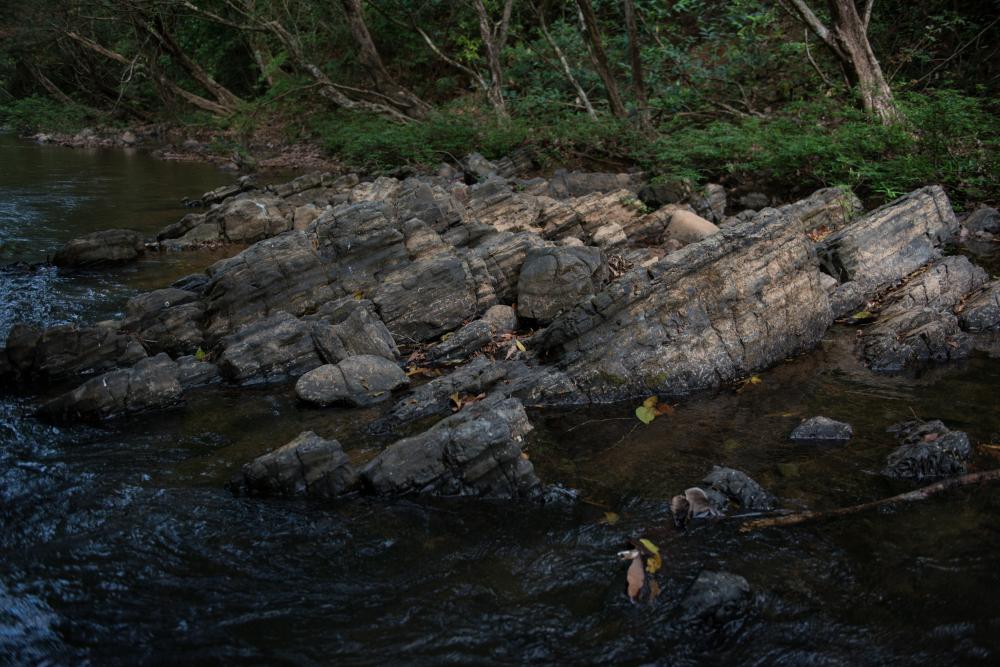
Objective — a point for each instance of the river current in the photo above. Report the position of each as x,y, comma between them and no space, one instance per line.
120,544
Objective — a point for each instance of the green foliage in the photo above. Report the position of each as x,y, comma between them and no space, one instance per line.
42,114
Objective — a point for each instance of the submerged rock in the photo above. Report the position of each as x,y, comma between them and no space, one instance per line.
716,596
307,466
822,429
108,246
929,451
358,381
475,452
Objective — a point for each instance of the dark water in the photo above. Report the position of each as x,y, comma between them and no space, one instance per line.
119,545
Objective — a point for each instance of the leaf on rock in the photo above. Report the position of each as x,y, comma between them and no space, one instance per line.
520,345
611,518
200,354
654,562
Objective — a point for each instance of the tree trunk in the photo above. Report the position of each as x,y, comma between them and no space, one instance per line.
493,44
597,55
850,33
567,70
370,59
638,85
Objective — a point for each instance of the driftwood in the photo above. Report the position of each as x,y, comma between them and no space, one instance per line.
910,496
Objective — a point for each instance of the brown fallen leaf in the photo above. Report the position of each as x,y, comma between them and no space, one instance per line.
636,578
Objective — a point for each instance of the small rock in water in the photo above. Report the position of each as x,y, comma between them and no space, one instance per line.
738,487
822,429
306,466
716,596
930,450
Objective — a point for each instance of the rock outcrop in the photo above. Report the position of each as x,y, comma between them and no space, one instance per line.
357,381
68,350
929,450
108,246
308,466
555,279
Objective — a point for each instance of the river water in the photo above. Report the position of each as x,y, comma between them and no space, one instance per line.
120,545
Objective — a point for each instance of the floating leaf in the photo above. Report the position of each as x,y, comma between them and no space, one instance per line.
654,562
651,402
611,518
754,379
665,409
645,414
520,345
636,578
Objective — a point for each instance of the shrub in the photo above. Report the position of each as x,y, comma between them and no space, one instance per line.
36,113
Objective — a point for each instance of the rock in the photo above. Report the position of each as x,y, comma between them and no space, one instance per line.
427,298
272,349
599,214
128,138
520,161
554,279
358,381
166,320
822,430
917,322
251,219
740,488
564,184
193,372
496,264
981,310
109,246
687,227
300,184
474,452
829,208
67,351
494,203
985,219
609,236
716,596
710,203
363,242
304,216
153,383
712,312
478,167
356,332
886,245
929,451
307,466
754,200
473,336
661,193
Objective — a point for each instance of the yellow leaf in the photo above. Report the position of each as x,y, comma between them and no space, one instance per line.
520,345
754,379
611,518
654,562
651,402
359,295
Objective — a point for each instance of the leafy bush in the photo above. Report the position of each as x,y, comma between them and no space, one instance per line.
35,113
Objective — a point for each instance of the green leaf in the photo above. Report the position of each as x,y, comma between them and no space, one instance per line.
645,413
200,354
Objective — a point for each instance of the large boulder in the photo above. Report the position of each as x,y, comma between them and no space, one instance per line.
554,279
354,330
153,383
740,488
712,312
710,203
475,452
494,203
828,209
929,450
249,219
686,227
307,466
68,351
886,245
356,381
981,311
109,246
275,348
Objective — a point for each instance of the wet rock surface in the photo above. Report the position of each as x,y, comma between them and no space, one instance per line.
308,466
739,488
67,350
475,452
929,450
822,430
110,246
357,381
718,597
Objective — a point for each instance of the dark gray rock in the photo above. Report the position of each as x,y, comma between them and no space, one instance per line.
886,245
822,429
355,331
754,200
829,208
68,351
166,320
427,298
929,451
917,322
740,488
468,340
716,596
357,381
475,452
109,246
981,311
555,279
710,203
275,348
493,202
193,372
985,219
564,184
661,193
153,383
307,466
712,312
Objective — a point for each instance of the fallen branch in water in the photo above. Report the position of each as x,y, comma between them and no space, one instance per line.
910,496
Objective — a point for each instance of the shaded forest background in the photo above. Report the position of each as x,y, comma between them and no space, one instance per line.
784,95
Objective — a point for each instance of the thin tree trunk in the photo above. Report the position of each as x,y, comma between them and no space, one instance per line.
370,59
638,85
567,70
589,21
47,84
493,42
